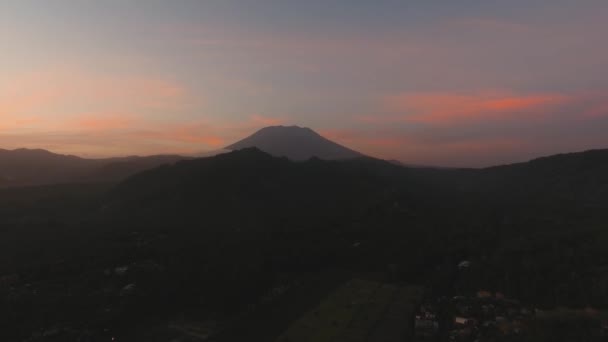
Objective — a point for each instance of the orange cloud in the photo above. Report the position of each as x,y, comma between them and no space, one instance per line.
378,144
194,133
68,91
419,149
68,106
599,111
12,122
66,101
363,139
437,108
104,122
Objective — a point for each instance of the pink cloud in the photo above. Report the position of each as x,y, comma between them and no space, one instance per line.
119,133
492,24
102,122
64,91
198,135
417,148
442,108
442,138
597,105
364,139
12,122
191,133
71,100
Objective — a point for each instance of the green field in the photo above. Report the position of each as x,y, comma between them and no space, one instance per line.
358,311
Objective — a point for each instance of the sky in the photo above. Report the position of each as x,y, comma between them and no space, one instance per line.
452,83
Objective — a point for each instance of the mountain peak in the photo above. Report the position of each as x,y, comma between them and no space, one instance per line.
281,127
296,143
287,130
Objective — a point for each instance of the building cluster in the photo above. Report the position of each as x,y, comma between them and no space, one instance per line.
484,316
426,323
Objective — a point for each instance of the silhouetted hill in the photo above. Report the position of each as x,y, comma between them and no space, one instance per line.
25,167
28,167
575,177
295,143
253,184
580,177
116,169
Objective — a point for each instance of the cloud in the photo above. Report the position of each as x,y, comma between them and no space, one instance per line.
478,128
102,122
366,140
424,148
10,122
64,92
595,105
199,134
69,102
491,24
103,134
448,108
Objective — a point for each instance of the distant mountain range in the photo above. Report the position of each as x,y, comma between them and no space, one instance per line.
582,173
295,143
24,167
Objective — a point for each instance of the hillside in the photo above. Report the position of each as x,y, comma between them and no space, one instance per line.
577,177
254,184
580,179
29,167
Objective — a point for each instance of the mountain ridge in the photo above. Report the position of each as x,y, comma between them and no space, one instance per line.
25,167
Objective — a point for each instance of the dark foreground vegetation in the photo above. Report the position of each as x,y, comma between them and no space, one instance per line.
238,246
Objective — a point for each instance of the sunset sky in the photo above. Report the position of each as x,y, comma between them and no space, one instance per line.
454,83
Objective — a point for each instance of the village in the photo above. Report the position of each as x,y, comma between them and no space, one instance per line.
471,313
482,317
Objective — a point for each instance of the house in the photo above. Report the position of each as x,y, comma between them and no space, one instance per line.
605,327
121,271
484,294
464,264
426,324
9,280
424,327
128,290
461,320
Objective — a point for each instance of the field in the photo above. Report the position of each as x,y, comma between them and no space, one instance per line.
358,311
